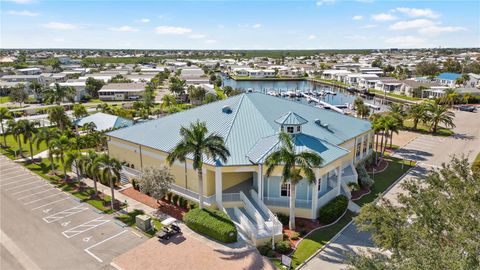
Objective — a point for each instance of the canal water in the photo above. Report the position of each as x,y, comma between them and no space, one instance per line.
341,98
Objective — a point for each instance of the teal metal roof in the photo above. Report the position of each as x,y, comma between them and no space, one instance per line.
105,121
249,123
291,118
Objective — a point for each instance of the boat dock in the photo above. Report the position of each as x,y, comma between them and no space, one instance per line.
324,104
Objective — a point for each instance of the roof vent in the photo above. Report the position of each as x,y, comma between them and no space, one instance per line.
319,122
227,109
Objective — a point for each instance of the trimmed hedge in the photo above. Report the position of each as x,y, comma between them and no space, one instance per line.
333,209
212,223
283,247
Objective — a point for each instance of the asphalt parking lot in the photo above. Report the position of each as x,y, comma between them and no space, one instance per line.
43,227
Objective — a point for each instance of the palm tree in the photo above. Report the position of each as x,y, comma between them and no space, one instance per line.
416,113
58,93
376,127
29,130
60,146
439,114
467,97
47,136
394,124
450,97
58,116
79,111
89,127
4,115
397,108
109,169
37,89
15,129
294,165
89,165
197,143
363,111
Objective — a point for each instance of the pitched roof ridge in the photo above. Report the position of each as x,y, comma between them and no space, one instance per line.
234,117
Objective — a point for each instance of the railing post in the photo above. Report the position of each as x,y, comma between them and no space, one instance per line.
260,182
218,186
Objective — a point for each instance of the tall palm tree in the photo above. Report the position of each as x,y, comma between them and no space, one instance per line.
394,124
47,136
4,115
439,114
89,165
61,146
58,93
376,127
416,113
58,116
196,142
37,89
15,128
29,130
109,169
74,158
294,166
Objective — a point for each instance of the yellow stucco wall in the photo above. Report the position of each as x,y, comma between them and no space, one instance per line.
232,179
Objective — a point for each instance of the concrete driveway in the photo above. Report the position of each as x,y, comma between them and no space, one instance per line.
430,152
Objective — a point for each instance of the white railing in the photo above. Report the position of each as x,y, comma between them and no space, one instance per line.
285,202
347,190
231,197
276,225
130,171
253,212
327,197
192,195
245,224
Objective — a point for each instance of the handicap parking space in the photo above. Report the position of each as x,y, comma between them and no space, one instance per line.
97,235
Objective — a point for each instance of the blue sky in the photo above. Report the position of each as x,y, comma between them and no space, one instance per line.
322,24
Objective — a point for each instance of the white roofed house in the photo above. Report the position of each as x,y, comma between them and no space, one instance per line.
330,74
390,85
122,91
29,71
354,78
194,76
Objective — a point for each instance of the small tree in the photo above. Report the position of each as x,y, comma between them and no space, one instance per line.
155,182
18,94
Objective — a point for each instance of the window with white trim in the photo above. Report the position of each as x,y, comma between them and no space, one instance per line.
290,130
285,190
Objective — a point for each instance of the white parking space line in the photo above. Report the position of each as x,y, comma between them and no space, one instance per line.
50,203
2,171
13,174
85,227
33,194
19,181
87,250
26,184
25,190
65,213
34,201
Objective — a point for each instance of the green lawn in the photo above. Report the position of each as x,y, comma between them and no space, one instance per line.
4,99
385,179
331,82
317,240
129,220
381,93
423,128
13,146
85,195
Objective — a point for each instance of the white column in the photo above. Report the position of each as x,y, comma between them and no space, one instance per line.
315,193
260,182
218,187
339,179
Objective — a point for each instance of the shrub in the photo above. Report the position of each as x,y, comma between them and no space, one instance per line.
192,205
212,223
175,199
303,232
333,210
353,186
284,219
363,176
181,201
294,236
264,249
283,247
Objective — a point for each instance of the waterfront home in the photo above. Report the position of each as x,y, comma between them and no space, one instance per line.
371,70
331,74
194,76
413,88
354,78
447,78
389,85
250,124
122,91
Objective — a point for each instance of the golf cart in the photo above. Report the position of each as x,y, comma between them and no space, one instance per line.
170,228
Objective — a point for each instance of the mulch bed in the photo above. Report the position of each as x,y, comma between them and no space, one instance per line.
301,224
164,207
382,165
359,193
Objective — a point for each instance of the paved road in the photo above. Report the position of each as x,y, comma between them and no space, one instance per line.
430,152
42,227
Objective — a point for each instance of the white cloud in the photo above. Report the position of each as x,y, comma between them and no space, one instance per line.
210,41
357,17
59,39
124,28
418,12
60,26
23,13
326,2
368,26
257,25
406,42
172,30
197,36
365,1
22,1
356,37
383,17
144,20
312,37
432,30
418,23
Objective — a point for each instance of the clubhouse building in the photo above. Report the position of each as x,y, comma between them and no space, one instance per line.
250,124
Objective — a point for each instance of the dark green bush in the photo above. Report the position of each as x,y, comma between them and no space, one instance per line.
181,201
294,235
333,210
175,199
283,247
213,223
192,205
265,249
284,219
